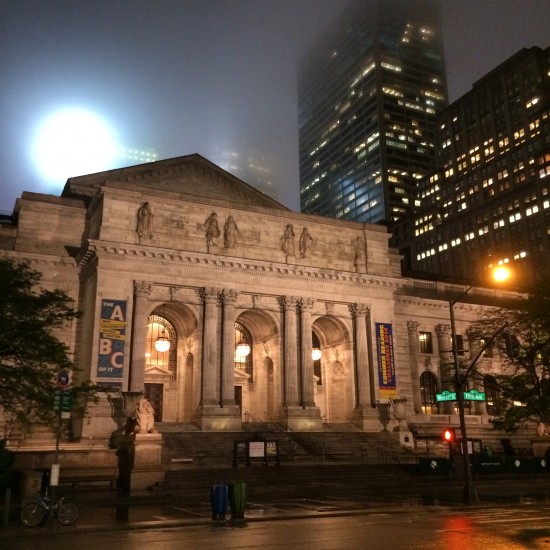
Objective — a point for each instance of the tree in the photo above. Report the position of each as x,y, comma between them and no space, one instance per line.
524,345
31,356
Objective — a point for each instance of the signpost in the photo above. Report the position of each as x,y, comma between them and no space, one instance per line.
62,402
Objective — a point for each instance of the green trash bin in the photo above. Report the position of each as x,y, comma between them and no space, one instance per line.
237,499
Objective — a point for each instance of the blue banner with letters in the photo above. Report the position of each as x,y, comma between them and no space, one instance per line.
386,366
112,337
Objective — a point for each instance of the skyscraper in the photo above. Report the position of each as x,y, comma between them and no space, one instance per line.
489,203
369,94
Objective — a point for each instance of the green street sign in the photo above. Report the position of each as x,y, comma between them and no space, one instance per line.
445,395
62,401
474,395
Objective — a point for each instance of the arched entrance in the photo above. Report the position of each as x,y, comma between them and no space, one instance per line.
171,377
258,382
334,383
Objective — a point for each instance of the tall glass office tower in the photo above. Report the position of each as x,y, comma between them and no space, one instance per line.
489,203
369,94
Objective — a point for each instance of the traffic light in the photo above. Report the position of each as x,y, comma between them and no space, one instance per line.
449,435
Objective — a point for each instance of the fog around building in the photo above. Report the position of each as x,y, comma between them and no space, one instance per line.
215,77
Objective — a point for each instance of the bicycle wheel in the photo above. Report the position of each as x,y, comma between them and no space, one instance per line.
31,514
67,513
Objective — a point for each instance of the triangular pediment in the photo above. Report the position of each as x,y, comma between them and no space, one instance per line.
192,176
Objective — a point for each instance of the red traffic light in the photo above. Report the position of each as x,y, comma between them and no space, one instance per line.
449,435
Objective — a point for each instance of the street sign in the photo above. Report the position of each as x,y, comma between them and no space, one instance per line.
474,395
62,401
63,379
445,395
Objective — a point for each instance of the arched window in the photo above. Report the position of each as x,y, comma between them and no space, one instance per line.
492,394
428,389
243,350
156,327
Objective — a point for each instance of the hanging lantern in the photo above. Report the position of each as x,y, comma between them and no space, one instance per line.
162,344
243,349
316,353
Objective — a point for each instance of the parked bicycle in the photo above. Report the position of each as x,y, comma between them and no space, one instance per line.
33,513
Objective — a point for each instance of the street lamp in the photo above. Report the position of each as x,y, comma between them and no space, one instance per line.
500,274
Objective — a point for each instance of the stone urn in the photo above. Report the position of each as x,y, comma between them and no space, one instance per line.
400,412
384,414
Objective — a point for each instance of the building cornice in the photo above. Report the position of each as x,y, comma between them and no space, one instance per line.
129,252
44,261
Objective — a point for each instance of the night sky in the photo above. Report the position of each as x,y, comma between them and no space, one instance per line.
183,76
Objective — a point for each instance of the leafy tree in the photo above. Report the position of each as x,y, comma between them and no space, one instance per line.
31,356
524,344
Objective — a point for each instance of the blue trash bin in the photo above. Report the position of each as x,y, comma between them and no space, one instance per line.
218,499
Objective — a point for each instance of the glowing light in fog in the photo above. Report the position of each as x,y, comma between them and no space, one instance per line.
72,142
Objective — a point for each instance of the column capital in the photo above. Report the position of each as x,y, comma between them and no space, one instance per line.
306,304
412,326
229,296
209,295
143,288
287,302
359,309
442,329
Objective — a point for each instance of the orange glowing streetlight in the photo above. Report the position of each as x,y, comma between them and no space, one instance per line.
501,274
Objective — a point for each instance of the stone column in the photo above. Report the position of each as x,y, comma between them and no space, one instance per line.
363,394
365,415
414,352
229,297
288,303
142,289
446,379
210,390
307,398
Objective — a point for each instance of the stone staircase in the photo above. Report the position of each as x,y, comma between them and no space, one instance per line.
187,445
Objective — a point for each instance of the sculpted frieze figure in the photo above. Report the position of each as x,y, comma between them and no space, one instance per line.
144,225
230,232
211,229
287,241
305,241
359,256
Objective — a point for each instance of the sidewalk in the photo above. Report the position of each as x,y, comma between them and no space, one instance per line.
105,511
150,512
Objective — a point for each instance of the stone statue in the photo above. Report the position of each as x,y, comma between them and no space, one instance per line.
230,232
211,229
145,416
359,258
287,241
305,240
144,221
543,429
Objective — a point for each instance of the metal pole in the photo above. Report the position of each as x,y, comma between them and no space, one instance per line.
469,490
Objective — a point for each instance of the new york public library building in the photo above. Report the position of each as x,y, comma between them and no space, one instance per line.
241,292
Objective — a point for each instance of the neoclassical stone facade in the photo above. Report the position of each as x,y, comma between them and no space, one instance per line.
183,251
